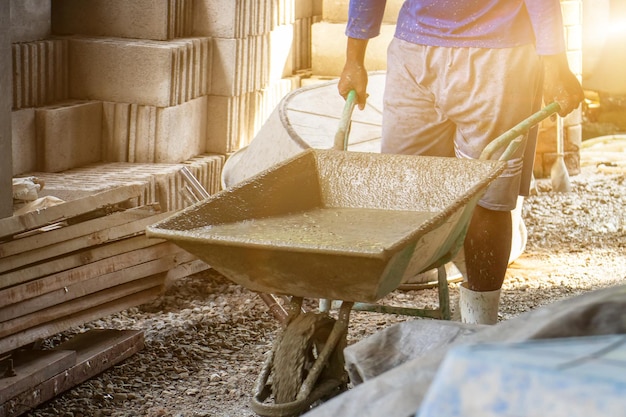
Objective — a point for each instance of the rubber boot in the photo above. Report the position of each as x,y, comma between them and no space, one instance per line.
478,307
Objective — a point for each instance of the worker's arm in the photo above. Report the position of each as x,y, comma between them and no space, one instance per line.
354,74
559,84
364,21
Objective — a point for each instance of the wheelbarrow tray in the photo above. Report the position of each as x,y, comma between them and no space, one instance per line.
334,224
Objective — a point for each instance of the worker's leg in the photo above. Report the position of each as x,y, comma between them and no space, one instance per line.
431,90
497,104
487,249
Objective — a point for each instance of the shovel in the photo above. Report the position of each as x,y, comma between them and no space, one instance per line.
558,173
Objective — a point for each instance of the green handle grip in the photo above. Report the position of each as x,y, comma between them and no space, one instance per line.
512,137
341,137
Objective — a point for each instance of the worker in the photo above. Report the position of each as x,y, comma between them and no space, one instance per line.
459,74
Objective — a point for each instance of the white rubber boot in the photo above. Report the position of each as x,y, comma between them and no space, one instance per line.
478,307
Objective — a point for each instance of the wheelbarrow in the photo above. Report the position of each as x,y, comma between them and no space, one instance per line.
333,225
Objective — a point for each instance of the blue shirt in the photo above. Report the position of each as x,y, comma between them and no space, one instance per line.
466,23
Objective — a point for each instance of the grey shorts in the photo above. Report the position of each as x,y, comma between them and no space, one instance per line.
453,101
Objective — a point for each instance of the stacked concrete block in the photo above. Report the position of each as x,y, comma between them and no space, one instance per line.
150,73
328,39
174,78
254,52
40,75
138,19
164,184
138,133
68,135
234,120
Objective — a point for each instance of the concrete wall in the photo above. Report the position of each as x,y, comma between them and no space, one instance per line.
6,166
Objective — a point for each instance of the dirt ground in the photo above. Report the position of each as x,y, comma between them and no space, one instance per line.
206,337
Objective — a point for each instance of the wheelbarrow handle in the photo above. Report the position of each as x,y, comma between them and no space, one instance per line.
512,138
341,137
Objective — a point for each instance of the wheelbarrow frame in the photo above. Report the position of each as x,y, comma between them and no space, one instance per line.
313,390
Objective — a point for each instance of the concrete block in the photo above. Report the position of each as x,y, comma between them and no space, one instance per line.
281,52
135,71
240,66
68,135
303,9
222,124
115,125
148,134
234,18
226,66
571,377
40,73
140,19
328,48
336,11
301,49
127,72
24,141
30,20
181,131
218,18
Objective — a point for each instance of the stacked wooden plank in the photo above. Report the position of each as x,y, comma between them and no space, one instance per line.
88,257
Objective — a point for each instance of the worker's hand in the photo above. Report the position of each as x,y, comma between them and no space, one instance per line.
560,84
354,74
354,78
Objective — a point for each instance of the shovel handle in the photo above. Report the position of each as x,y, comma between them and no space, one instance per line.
512,138
341,137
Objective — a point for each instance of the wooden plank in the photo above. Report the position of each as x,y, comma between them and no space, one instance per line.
185,270
43,331
32,368
58,235
76,259
60,310
34,219
29,312
61,280
96,351
93,239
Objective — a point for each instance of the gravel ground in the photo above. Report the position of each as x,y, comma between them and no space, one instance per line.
206,337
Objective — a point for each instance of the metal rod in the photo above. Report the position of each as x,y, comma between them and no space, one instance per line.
275,307
402,311
194,184
444,296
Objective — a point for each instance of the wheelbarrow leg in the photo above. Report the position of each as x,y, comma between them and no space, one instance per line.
444,293
442,313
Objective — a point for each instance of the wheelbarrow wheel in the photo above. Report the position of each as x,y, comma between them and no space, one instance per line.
298,348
